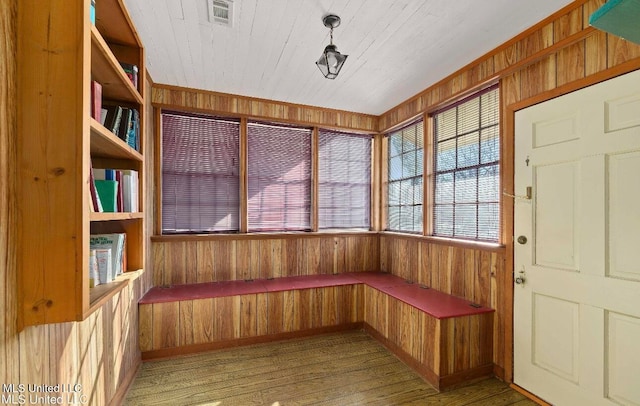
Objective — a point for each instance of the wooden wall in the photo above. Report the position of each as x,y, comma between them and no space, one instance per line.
471,272
173,97
233,320
100,353
558,55
440,349
180,260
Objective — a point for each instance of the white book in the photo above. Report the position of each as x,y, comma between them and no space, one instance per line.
115,242
105,265
94,275
130,190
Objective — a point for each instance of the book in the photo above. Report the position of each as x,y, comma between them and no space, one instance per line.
119,195
130,190
103,115
116,243
104,262
132,72
96,203
113,118
133,136
125,123
96,100
107,191
92,12
94,276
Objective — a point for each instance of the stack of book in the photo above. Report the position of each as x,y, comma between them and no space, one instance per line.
132,72
107,257
123,122
114,190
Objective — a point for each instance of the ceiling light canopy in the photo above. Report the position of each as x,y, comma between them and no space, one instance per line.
331,60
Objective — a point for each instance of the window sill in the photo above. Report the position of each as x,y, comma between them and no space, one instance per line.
453,242
259,236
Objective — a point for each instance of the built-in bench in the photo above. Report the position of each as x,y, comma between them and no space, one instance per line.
445,338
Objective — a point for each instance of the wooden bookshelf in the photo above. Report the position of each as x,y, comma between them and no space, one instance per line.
57,144
106,144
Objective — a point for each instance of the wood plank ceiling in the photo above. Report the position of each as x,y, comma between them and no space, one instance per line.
396,48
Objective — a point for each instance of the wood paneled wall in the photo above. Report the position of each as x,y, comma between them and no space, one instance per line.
445,351
183,260
558,51
229,321
560,54
475,274
100,353
173,97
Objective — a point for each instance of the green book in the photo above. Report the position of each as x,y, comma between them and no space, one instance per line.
108,191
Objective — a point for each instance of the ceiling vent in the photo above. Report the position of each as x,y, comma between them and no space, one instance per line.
221,12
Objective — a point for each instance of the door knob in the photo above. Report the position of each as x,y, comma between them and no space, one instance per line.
522,240
520,280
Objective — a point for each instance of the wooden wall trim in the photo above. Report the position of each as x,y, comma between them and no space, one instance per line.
599,77
314,179
258,236
487,247
157,168
9,342
428,179
244,191
196,100
376,182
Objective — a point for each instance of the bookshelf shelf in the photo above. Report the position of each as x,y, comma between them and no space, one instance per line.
100,294
60,144
106,144
116,216
106,69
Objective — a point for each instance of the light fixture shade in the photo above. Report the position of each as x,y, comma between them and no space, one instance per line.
331,62
620,18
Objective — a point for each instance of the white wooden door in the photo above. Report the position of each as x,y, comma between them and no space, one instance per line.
577,314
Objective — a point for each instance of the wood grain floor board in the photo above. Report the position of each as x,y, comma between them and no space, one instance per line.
230,359
347,368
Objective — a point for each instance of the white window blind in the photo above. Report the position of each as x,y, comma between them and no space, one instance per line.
200,167
467,168
344,180
278,177
405,173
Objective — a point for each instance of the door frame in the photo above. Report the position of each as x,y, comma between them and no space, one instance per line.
509,107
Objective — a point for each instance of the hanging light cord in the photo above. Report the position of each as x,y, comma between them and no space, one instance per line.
331,36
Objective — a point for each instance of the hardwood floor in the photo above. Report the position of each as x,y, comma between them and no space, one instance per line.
348,368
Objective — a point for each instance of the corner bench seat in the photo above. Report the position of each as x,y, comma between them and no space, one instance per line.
445,338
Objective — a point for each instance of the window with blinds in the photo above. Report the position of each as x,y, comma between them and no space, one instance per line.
200,167
467,168
405,173
278,177
344,180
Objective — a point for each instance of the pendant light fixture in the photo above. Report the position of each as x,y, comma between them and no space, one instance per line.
331,60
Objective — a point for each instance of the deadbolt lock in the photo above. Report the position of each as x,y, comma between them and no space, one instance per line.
522,239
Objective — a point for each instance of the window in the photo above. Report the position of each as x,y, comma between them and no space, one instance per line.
404,187
344,180
467,168
200,166
278,177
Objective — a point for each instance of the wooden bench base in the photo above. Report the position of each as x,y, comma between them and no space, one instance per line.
444,338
